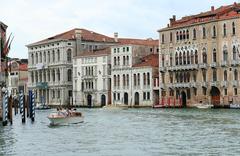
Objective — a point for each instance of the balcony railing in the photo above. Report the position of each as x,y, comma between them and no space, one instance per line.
224,83
182,85
162,69
213,64
204,84
183,67
203,65
224,63
214,83
235,83
235,62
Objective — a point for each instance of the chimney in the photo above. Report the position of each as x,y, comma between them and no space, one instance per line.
78,37
116,37
172,20
212,8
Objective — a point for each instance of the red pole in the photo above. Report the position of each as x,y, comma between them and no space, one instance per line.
174,102
169,101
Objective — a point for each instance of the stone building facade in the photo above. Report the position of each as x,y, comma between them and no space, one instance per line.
132,83
199,58
92,78
50,63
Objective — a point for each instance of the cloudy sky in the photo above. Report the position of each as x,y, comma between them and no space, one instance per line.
31,20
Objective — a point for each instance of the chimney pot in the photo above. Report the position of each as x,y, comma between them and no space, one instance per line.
212,8
116,37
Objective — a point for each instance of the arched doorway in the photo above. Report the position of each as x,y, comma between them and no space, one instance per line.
89,100
215,96
183,99
136,99
103,100
126,98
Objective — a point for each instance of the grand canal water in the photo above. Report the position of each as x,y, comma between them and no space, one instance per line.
128,132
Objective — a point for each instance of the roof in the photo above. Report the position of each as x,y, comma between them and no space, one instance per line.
221,13
148,42
98,52
151,60
23,67
86,35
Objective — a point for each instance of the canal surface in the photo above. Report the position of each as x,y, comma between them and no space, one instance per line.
145,132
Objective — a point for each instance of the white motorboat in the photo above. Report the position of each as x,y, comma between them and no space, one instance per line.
235,106
65,117
204,106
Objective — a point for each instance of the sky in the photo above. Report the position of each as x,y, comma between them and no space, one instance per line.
30,20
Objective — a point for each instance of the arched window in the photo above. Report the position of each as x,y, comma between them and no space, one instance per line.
163,38
48,73
58,74
204,32
124,60
124,80
184,35
235,75
135,79
214,31
36,58
214,55
118,60
127,80
171,59
214,74
181,35
144,79
184,58
148,79
138,77
32,77
115,61
176,77
188,57
233,28
53,75
177,36
204,55
180,58
170,36
187,34
127,60
32,58
194,34
69,55
69,73
225,75
40,55
225,53
118,80
234,53
114,80
196,57
45,56
53,56
58,53
176,59
224,30
192,57
49,57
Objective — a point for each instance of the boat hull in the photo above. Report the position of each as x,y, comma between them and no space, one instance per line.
65,120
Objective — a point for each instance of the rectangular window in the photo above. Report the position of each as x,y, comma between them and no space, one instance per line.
225,92
144,96
118,96
235,91
204,91
148,95
114,96
127,48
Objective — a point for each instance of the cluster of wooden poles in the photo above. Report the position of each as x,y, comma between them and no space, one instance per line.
26,104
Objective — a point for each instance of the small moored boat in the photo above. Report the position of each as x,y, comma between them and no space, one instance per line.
204,106
65,117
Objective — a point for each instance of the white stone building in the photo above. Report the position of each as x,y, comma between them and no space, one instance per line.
123,59
92,81
50,63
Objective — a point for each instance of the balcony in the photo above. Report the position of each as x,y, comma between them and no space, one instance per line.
224,63
162,85
213,65
170,85
235,62
193,84
204,84
224,84
214,83
42,85
181,85
162,69
203,65
235,83
183,67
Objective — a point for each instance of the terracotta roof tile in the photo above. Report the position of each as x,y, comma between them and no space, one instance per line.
98,52
151,60
149,42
